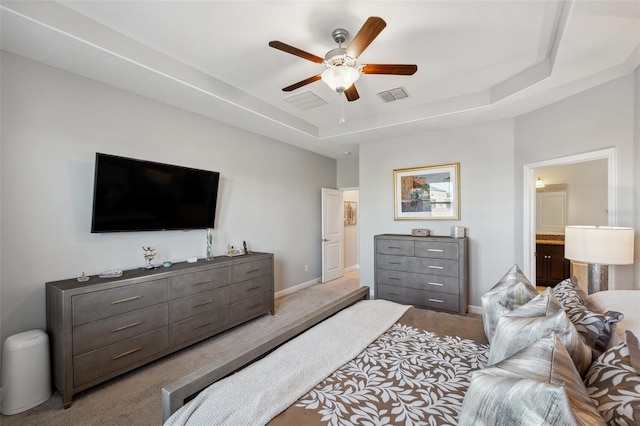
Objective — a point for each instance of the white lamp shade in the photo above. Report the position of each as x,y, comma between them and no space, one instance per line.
340,78
605,245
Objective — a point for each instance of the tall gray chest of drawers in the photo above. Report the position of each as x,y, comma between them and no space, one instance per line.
104,327
426,272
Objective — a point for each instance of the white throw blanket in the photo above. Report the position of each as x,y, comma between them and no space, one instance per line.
262,390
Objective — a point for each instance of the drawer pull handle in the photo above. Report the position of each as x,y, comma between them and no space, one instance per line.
436,250
394,294
203,282
394,278
252,271
208,302
127,353
436,301
124,327
253,288
435,267
394,247
253,307
394,263
438,284
128,299
203,325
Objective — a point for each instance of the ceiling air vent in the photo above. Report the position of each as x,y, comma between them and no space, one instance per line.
306,100
393,94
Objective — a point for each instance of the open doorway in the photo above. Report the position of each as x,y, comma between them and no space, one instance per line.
340,235
351,199
561,172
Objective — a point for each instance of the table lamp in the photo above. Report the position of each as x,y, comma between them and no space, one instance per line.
599,247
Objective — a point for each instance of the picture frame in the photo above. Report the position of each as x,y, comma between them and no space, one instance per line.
350,213
427,193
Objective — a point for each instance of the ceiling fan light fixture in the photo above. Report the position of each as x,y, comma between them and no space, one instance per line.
339,78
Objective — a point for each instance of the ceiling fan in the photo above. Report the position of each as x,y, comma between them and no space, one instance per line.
342,72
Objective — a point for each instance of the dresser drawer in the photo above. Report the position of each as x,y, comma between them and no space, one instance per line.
420,298
109,359
248,270
96,334
437,250
197,282
427,282
187,330
252,307
197,304
398,247
105,303
246,289
441,267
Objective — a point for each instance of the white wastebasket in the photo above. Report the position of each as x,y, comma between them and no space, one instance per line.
26,377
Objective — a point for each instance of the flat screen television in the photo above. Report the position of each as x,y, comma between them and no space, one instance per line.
137,195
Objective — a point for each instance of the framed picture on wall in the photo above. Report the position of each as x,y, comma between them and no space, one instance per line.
429,192
350,212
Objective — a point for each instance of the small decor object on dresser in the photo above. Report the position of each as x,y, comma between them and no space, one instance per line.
209,254
426,272
430,192
457,231
149,255
420,232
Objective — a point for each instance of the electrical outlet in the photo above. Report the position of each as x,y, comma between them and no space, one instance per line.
306,268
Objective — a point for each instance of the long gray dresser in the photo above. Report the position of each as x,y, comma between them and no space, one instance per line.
104,327
426,272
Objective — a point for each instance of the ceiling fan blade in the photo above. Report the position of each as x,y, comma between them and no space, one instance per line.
295,51
302,83
369,31
352,93
395,69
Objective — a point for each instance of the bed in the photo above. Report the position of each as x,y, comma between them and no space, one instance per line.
413,364
360,361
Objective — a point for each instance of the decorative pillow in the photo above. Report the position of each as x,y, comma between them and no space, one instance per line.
543,304
596,328
625,301
614,384
513,290
634,351
519,329
538,385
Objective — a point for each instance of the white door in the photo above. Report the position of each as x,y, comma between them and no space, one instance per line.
332,234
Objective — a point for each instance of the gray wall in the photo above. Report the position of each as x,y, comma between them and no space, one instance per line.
348,172
492,157
53,123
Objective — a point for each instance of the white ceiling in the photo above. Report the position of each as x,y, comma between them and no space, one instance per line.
477,60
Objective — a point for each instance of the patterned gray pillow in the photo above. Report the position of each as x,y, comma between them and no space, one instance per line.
595,327
513,290
521,327
614,384
538,385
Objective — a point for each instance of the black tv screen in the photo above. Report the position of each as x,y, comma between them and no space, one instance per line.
137,195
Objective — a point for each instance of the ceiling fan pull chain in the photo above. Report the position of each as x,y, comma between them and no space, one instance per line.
341,120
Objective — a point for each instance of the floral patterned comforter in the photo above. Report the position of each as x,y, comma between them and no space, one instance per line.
414,374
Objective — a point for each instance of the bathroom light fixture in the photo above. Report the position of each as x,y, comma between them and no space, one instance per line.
599,246
540,183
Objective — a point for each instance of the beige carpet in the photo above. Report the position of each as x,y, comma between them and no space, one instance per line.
135,398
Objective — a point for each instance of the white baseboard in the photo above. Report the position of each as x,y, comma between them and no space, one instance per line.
474,309
297,287
352,268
